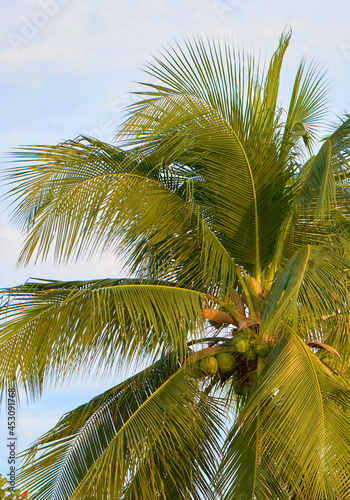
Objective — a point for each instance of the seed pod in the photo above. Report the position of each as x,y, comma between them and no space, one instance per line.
218,316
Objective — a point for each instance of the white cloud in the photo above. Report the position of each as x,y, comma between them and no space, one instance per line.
86,36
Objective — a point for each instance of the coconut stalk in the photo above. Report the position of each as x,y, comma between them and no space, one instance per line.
249,292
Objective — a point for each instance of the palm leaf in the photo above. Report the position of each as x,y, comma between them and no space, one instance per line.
314,201
54,329
226,174
137,439
311,286
273,75
179,442
308,104
219,131
68,450
320,179
89,212
307,456
127,205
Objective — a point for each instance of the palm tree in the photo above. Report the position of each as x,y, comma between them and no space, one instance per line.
233,217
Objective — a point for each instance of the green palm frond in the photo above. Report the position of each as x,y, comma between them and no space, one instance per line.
320,191
227,81
155,442
273,74
87,430
310,287
227,178
308,105
295,425
54,329
320,180
134,207
245,476
150,431
89,210
185,101
45,173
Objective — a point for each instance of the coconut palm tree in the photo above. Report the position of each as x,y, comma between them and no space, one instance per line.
232,215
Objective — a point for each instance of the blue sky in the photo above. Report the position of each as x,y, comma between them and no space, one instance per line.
65,69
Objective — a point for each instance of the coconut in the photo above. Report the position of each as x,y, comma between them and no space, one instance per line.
226,361
240,388
209,364
240,343
261,350
251,355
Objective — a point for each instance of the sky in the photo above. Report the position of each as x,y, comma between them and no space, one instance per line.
67,67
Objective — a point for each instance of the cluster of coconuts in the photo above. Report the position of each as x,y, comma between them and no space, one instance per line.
225,362
242,345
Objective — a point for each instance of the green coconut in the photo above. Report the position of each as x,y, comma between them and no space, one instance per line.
226,361
209,364
261,350
240,344
251,355
240,389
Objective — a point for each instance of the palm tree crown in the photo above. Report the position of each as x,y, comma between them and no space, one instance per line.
233,217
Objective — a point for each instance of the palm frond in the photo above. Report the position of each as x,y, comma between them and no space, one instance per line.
311,286
320,190
212,149
308,104
145,436
68,450
297,417
227,81
320,180
234,147
273,74
88,210
136,207
50,330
